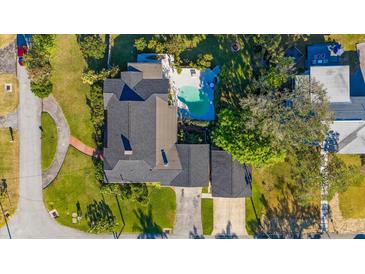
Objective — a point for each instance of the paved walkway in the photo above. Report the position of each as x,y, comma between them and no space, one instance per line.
10,120
188,212
31,220
229,217
63,135
80,146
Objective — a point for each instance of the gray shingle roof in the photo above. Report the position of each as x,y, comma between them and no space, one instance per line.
349,111
229,177
142,125
133,87
195,163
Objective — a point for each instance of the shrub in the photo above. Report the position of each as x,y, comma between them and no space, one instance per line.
204,61
42,88
90,77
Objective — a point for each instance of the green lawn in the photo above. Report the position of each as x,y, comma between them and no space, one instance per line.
49,140
254,209
8,100
207,216
9,170
348,41
76,185
352,202
272,197
123,50
69,91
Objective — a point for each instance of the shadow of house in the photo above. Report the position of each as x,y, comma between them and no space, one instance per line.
227,234
149,229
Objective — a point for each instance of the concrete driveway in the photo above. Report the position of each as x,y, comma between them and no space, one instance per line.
188,212
229,217
31,220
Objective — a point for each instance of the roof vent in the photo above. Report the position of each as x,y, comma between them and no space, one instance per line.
127,146
164,158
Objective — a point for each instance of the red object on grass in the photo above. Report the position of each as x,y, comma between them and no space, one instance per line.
21,51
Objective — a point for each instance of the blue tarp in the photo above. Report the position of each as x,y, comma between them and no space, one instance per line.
23,39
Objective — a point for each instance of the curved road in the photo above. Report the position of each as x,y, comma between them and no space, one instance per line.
31,220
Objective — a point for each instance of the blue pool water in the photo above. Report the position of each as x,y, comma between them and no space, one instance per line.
199,102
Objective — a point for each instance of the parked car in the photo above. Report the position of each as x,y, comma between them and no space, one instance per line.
21,51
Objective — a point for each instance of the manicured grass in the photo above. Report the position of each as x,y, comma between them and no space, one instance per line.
8,100
49,140
352,202
76,184
68,65
207,216
6,39
9,170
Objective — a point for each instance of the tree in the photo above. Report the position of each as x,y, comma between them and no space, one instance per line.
306,172
43,43
246,145
92,46
37,61
292,117
204,61
173,44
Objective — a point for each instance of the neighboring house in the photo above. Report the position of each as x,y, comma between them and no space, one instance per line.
141,138
346,95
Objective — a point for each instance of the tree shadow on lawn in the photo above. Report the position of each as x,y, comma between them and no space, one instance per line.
288,219
149,229
123,50
100,217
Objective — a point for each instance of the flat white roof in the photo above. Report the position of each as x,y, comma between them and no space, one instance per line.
335,80
351,136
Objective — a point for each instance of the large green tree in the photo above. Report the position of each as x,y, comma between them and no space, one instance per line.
92,46
245,145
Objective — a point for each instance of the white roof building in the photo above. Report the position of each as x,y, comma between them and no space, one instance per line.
335,80
349,111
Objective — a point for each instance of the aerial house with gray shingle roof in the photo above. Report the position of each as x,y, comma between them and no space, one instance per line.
141,133
230,179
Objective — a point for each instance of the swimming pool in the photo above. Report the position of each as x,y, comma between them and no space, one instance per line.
199,106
